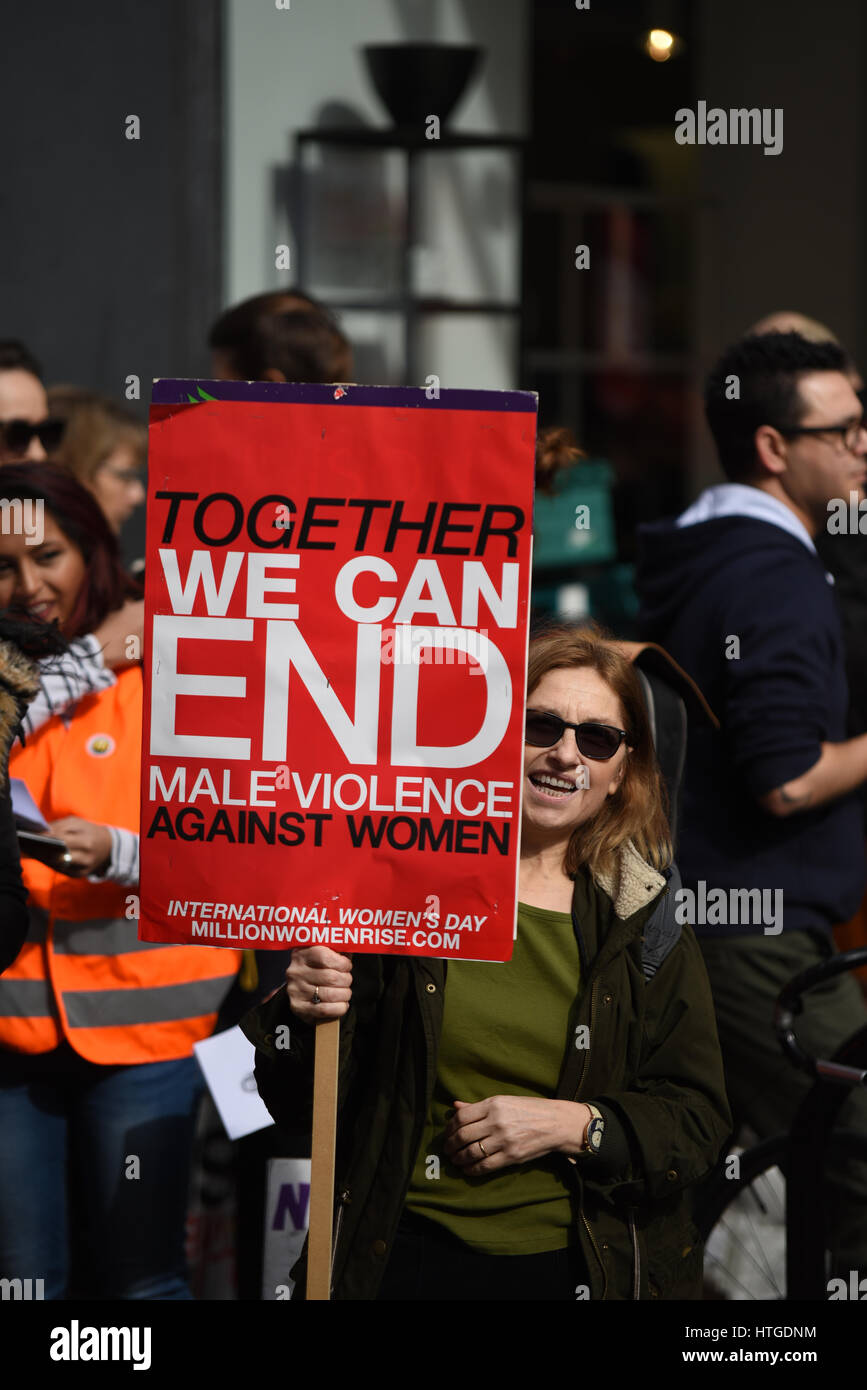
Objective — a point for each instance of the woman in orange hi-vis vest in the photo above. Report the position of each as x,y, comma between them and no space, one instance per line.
98,1083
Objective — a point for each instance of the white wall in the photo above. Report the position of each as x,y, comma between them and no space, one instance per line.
283,66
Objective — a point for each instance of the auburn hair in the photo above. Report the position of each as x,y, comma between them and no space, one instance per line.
637,810
556,451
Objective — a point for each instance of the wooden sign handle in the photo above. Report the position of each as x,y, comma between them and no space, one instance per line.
322,1162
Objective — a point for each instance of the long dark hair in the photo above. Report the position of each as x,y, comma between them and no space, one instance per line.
79,516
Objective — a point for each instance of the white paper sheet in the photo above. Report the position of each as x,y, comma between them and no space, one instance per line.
227,1060
23,805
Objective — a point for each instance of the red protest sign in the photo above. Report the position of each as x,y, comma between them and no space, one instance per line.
337,593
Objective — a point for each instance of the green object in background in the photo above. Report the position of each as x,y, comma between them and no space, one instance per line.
613,599
608,596
575,525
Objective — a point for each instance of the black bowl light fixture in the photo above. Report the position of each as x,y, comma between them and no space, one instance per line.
417,80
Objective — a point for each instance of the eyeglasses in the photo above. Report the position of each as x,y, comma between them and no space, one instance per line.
17,434
597,741
127,476
850,434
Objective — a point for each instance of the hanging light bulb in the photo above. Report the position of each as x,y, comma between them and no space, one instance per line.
660,44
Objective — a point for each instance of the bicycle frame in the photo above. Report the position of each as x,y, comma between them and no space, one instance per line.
811,1129
806,1277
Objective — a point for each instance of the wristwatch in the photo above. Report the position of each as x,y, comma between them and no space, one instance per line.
594,1132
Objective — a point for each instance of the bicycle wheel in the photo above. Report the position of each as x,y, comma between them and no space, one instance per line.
742,1221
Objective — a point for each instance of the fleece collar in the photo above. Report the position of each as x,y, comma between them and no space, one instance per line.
19,682
632,883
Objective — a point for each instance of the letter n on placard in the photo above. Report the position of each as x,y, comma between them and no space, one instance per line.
286,1214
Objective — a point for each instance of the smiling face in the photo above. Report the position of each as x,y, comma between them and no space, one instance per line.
553,805
46,578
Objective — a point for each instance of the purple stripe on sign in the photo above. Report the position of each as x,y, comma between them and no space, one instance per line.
167,391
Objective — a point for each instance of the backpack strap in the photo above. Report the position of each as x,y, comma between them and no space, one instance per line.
662,930
666,712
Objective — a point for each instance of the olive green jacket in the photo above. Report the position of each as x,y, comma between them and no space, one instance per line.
652,1067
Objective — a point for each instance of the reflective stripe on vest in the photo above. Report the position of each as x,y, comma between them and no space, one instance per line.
115,999
25,999
113,1008
106,936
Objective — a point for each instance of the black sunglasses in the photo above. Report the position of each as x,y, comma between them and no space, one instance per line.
17,434
598,741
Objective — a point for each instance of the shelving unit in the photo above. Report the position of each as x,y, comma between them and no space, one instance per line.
611,350
410,305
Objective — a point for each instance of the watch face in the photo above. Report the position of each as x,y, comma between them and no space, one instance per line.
595,1131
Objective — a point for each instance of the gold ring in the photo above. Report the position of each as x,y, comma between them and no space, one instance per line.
482,1147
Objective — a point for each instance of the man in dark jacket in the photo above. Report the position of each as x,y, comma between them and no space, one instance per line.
653,1068
771,844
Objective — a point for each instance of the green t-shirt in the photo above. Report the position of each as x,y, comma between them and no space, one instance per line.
506,1028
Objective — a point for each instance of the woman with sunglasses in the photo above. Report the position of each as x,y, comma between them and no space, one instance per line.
26,432
99,1088
532,1130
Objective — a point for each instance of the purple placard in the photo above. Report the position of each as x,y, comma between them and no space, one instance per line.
171,391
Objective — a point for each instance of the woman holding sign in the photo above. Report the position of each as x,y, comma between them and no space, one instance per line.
98,1084
533,1130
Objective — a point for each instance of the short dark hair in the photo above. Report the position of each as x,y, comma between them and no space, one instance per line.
768,368
15,357
286,331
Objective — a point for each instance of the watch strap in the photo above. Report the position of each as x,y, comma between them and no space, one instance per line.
595,1114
